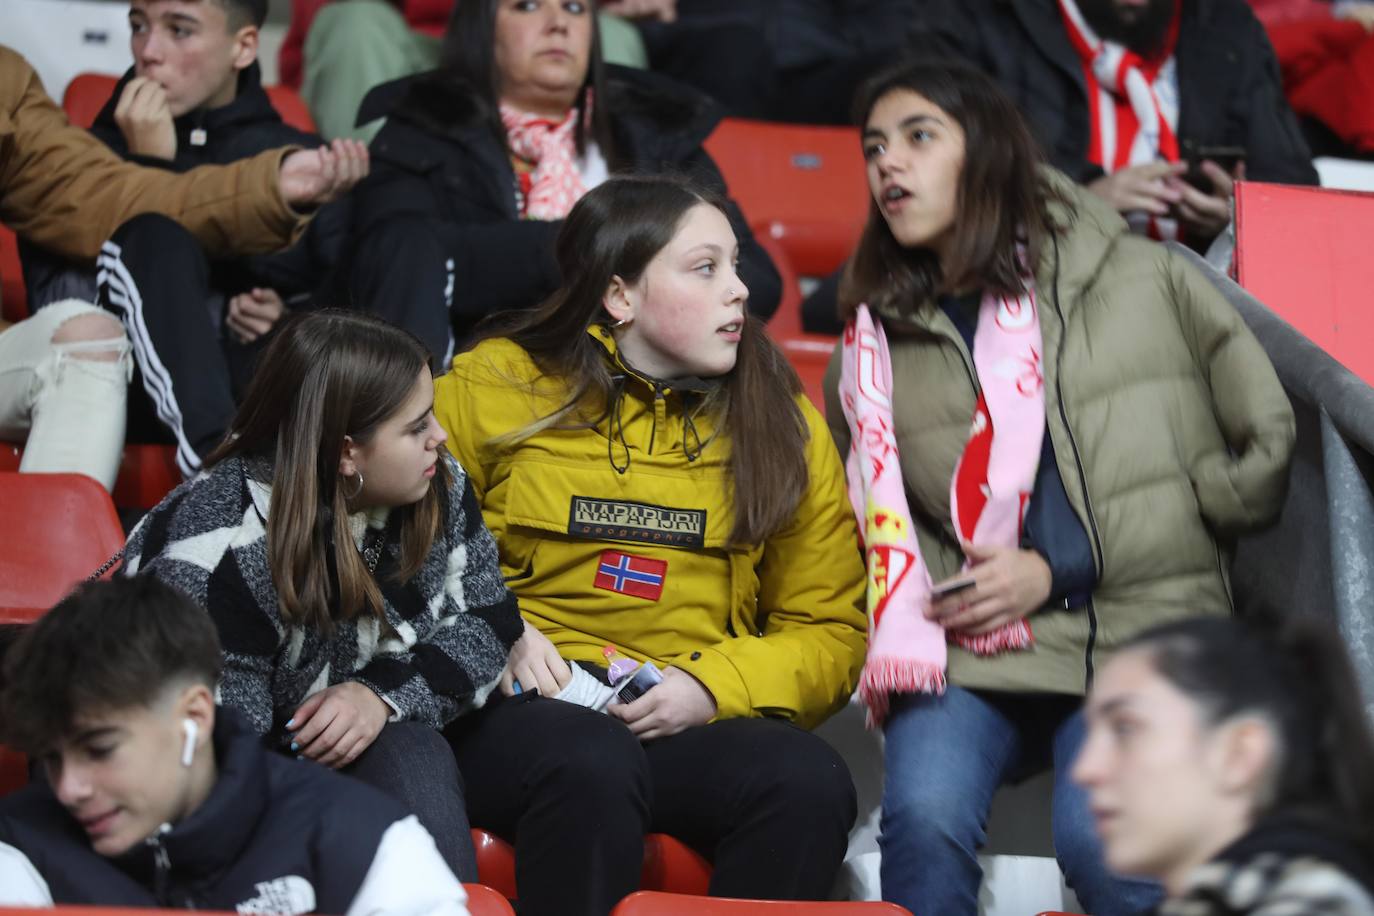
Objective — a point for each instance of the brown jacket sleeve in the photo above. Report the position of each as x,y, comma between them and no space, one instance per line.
63,189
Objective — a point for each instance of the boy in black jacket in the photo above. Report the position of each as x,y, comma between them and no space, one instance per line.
194,96
156,797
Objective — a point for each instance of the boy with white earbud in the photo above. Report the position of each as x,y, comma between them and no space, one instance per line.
155,796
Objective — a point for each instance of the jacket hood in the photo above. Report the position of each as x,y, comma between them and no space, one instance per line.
250,106
210,839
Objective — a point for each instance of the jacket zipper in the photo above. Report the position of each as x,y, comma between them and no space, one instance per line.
1082,472
162,866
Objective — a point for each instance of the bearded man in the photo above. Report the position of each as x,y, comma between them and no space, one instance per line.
1125,94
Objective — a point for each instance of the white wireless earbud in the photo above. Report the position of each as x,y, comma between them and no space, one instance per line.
188,748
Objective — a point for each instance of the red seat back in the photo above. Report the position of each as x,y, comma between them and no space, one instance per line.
64,527
654,903
87,93
804,186
14,298
291,107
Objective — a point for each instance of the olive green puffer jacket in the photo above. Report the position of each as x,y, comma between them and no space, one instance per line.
1170,429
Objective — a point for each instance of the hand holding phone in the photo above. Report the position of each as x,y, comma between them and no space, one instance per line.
1228,158
951,587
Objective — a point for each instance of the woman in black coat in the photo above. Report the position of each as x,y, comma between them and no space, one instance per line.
480,159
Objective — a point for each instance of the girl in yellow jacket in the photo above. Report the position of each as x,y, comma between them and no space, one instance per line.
658,484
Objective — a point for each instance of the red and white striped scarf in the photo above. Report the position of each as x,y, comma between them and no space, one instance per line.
1133,105
551,147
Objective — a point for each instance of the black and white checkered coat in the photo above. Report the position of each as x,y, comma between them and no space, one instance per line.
453,623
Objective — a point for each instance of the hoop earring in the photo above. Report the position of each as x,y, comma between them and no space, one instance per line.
620,324
354,494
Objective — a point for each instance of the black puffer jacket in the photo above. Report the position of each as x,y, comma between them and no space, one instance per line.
270,826
438,158
1229,86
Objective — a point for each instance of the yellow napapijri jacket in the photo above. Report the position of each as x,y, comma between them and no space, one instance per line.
639,558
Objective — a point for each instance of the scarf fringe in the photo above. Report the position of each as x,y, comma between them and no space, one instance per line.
1010,638
885,676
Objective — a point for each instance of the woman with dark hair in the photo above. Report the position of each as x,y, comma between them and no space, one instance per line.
338,548
1054,430
1257,740
663,494
481,160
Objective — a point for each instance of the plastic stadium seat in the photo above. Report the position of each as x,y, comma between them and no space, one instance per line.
64,527
801,185
495,862
484,901
789,305
653,903
14,770
14,298
672,866
291,107
87,93
809,354
669,865
147,472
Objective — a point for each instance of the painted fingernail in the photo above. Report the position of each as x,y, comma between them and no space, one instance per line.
290,723
295,746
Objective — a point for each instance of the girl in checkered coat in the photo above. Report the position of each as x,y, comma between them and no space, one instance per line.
341,553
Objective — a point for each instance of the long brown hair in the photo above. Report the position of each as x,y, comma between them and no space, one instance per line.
1002,198
616,230
329,374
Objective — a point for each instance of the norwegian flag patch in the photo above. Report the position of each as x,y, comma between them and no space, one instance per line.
631,575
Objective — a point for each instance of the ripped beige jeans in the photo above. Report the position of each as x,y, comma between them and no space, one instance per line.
64,378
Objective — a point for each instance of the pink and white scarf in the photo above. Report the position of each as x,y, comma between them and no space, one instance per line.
989,492
1133,105
555,184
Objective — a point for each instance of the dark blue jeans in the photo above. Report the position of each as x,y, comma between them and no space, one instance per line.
945,758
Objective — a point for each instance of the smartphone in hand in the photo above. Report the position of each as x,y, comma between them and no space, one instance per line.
1228,157
951,587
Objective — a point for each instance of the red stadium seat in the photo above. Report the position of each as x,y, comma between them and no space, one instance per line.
88,93
64,527
653,903
147,472
672,866
291,107
483,901
14,770
14,299
788,314
495,862
803,186
809,354
669,865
